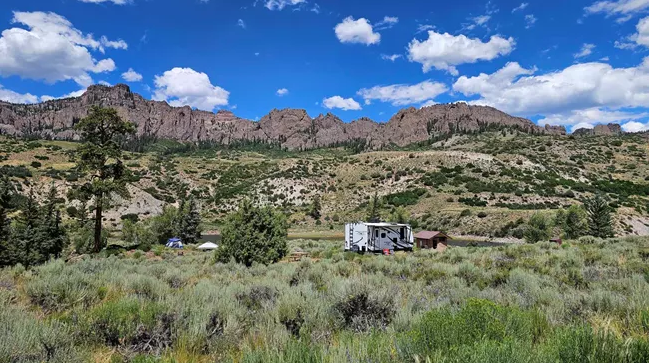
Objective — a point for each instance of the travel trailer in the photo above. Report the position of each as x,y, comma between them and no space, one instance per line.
377,237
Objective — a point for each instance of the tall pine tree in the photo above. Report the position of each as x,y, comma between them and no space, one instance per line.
99,157
599,217
191,219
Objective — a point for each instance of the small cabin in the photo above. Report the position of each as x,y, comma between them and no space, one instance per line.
435,240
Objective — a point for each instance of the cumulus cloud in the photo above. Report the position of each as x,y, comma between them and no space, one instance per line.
522,6
78,93
582,93
282,92
445,51
634,126
15,97
341,103
624,9
403,94
640,38
241,23
52,50
131,76
391,57
357,31
281,4
187,87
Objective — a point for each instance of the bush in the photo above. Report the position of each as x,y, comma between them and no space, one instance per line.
360,309
36,164
253,234
482,215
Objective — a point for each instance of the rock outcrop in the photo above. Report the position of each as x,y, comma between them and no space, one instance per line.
599,130
291,128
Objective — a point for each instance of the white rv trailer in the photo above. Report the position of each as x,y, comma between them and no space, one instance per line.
376,237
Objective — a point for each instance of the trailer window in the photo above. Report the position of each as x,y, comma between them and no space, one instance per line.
376,232
403,233
382,235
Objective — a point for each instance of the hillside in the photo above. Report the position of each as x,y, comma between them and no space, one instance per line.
288,128
467,185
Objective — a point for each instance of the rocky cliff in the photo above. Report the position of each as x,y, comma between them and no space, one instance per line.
610,129
292,128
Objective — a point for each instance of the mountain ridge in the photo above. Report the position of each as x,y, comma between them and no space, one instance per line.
290,128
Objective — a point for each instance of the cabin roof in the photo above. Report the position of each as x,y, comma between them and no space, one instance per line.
430,234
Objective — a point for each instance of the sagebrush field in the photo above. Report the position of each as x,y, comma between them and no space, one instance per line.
584,301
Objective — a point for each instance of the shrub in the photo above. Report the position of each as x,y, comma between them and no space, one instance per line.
36,164
482,215
360,309
253,234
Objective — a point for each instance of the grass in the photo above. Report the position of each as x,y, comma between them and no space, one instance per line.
586,300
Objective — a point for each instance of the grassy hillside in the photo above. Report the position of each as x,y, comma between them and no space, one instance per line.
467,185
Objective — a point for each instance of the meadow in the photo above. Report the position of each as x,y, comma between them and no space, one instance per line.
584,301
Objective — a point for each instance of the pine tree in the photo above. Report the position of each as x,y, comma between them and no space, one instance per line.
373,211
314,211
191,220
599,217
575,224
100,158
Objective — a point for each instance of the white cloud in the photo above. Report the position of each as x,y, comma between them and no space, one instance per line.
131,76
622,8
15,97
477,21
637,39
282,92
356,31
52,50
445,51
425,27
341,103
589,117
257,54
186,87
634,126
403,94
116,2
586,92
316,8
530,20
78,93
586,50
241,23
391,57
281,4
387,23
522,6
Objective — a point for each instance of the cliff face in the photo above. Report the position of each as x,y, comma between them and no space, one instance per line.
292,128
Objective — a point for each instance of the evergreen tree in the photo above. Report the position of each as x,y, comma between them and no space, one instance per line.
538,228
399,215
373,211
6,191
100,158
314,211
253,235
191,220
599,217
575,224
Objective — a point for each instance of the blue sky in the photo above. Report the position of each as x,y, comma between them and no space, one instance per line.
575,63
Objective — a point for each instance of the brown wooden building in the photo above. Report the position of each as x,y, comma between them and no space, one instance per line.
431,239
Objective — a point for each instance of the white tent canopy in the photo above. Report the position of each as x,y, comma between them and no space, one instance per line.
208,246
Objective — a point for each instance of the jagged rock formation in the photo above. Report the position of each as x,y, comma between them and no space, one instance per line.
290,128
610,129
